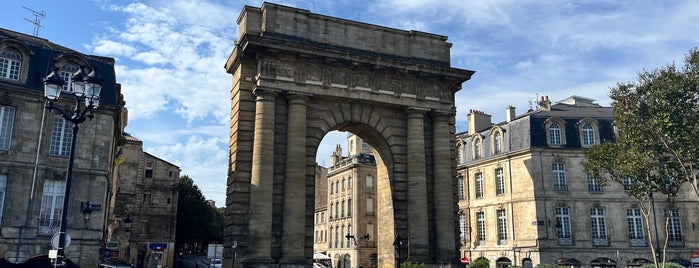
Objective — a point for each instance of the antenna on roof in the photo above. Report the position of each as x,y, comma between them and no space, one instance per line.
37,19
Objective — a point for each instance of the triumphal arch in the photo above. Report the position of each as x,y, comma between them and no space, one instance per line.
299,75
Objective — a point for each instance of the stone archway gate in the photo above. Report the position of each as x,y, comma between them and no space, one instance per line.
297,76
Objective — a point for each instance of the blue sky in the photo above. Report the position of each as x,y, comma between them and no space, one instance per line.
170,56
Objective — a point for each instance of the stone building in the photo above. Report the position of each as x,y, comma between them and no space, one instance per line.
347,234
525,199
145,192
35,151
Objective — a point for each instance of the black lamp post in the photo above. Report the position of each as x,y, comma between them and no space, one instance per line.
87,88
398,243
349,240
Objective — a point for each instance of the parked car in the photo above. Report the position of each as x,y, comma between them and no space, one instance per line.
215,263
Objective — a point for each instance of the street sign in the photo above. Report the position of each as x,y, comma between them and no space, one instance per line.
112,245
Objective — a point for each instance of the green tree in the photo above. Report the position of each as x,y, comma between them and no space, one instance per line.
656,148
198,223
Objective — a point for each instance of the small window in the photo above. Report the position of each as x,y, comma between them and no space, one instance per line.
559,177
461,192
66,73
588,135
146,199
477,148
555,132
144,228
499,181
149,169
10,64
593,182
61,137
479,185
497,142
7,119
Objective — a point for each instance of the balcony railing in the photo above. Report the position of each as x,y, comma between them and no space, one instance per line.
676,241
49,226
600,241
637,242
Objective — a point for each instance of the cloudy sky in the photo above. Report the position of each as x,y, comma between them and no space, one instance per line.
170,56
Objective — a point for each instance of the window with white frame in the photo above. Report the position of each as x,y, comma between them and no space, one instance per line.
593,182
7,119
563,227
479,185
588,135
370,206
10,63
61,134
502,226
461,193
497,142
480,226
499,181
66,73
477,148
674,225
51,206
634,218
598,225
554,134
461,156
559,176
3,190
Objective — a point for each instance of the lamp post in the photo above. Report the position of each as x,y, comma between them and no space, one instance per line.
397,244
85,88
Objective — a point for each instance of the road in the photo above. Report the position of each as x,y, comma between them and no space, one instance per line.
194,261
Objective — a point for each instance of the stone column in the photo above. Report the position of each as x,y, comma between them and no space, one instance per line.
261,179
293,235
418,237
444,200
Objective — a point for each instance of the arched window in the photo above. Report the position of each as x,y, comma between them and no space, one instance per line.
477,148
497,142
10,63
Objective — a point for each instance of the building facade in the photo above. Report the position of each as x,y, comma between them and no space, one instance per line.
35,150
525,199
346,229
143,207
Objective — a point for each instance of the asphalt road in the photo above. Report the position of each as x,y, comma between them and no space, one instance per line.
193,261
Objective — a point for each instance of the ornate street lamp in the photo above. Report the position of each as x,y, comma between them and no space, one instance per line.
86,209
87,88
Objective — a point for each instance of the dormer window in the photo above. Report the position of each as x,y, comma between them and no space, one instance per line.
477,147
66,73
497,142
589,132
555,132
10,64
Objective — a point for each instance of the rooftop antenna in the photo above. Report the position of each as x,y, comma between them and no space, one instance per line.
37,19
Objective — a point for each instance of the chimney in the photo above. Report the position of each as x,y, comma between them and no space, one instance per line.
545,103
477,121
510,113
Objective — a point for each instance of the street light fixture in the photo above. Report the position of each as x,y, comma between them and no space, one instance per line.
86,209
398,244
87,88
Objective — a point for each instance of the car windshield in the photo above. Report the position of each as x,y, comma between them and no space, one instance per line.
216,261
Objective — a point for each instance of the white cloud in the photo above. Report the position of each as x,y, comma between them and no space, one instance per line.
170,57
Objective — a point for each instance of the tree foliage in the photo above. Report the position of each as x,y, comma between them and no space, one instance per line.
657,147
657,119
198,223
